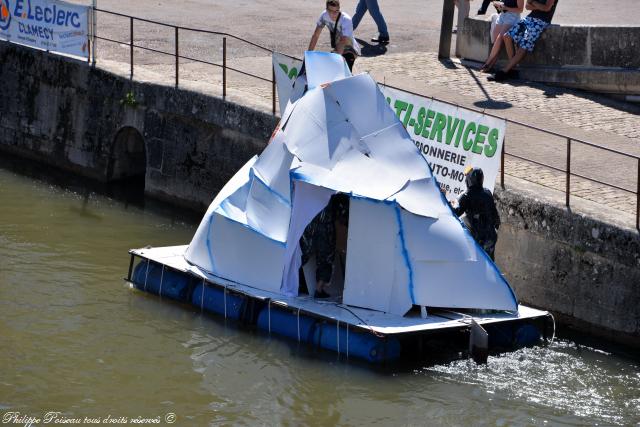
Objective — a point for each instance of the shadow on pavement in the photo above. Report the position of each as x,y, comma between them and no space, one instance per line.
489,103
370,50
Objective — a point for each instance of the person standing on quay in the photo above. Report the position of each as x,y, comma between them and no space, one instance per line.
374,11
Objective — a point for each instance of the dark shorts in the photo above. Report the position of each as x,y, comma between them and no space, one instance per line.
526,32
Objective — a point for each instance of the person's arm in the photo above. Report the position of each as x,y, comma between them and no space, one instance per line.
535,5
517,9
462,205
314,38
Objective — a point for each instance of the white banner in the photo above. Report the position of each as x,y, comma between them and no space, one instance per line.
286,69
450,138
47,24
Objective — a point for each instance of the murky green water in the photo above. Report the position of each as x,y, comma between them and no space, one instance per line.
74,339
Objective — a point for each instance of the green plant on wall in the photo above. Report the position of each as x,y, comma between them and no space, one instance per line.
129,100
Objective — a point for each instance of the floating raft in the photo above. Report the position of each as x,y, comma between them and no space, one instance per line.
366,334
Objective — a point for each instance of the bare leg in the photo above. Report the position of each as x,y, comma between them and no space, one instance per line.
508,44
493,56
519,56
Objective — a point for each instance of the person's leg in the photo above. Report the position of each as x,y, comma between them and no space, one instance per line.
325,254
489,247
361,8
515,60
374,11
350,58
493,56
508,45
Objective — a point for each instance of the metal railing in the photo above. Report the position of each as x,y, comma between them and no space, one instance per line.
567,171
176,53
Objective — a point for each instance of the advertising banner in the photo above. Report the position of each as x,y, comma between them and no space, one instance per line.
286,69
46,24
450,138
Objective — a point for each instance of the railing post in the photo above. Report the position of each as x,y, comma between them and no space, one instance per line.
273,90
568,178
224,68
177,57
638,198
504,142
131,46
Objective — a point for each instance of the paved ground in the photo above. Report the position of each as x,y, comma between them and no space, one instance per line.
409,62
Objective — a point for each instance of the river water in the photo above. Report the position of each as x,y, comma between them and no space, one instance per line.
78,342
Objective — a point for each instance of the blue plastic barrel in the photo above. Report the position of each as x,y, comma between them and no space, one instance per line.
527,335
363,345
153,278
284,322
214,301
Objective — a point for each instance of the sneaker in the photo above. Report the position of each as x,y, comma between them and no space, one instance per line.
321,295
380,39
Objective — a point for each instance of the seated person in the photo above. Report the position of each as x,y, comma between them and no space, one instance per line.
510,11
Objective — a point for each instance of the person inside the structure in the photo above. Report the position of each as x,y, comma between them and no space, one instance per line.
319,240
340,27
480,209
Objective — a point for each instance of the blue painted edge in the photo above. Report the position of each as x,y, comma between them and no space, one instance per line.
209,251
405,253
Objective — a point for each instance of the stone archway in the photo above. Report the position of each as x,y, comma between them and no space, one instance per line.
128,157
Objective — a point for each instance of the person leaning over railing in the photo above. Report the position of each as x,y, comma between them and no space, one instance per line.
509,15
341,28
525,34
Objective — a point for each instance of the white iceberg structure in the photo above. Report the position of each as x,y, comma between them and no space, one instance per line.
405,246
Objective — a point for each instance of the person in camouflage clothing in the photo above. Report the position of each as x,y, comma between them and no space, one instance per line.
319,239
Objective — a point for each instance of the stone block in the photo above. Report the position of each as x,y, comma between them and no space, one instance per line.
615,47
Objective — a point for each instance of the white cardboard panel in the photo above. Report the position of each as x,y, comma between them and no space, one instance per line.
267,212
245,256
422,197
273,166
198,242
370,272
400,301
324,67
441,239
363,103
394,148
363,176
461,285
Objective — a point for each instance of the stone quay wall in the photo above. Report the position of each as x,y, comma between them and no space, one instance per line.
67,114
70,115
